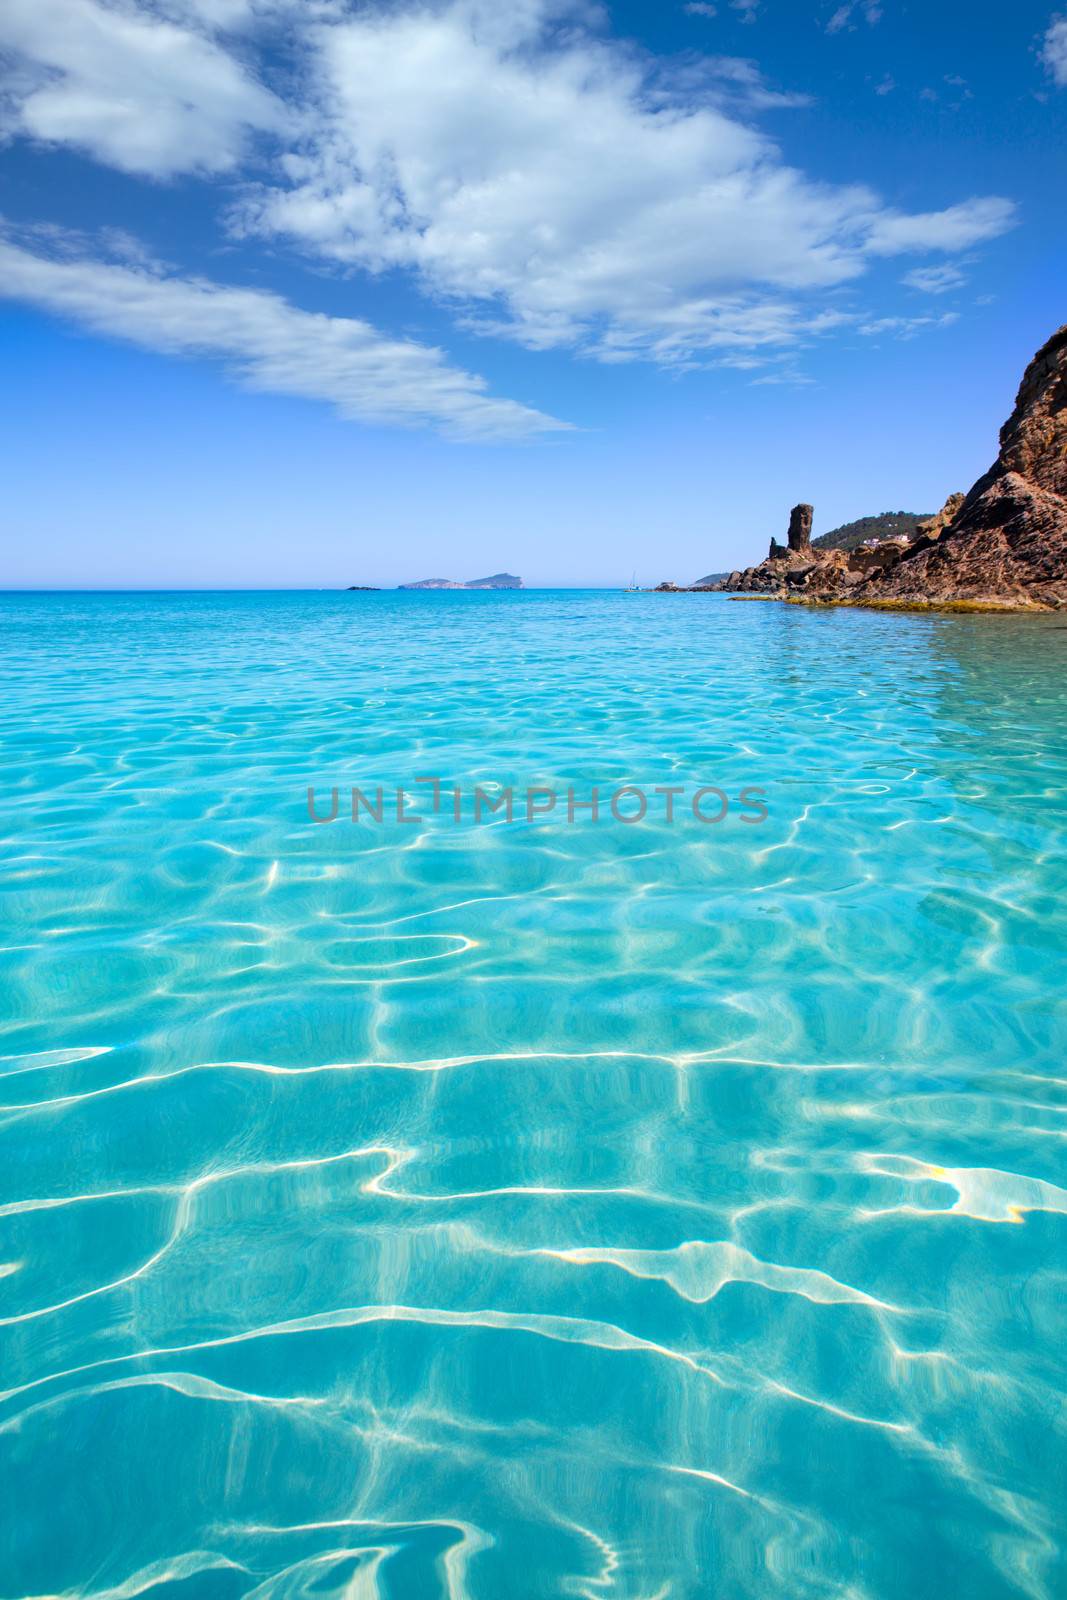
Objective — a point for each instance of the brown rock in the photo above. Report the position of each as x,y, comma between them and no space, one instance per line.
800,521
934,527
785,561
1007,541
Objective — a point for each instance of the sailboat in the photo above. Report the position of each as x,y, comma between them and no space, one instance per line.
633,589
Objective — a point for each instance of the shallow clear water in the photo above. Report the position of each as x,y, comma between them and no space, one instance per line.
530,1209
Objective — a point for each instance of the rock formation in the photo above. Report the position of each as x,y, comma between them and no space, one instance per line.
934,527
783,560
800,520
1007,542
1004,544
886,525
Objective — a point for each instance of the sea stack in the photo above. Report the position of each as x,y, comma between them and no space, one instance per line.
800,520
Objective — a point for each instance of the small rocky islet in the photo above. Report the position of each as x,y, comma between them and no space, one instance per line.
1002,546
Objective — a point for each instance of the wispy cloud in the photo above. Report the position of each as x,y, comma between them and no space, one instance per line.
701,8
846,15
935,280
1054,50
792,380
266,342
957,228
905,327
733,83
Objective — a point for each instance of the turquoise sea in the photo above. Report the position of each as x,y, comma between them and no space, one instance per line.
520,1209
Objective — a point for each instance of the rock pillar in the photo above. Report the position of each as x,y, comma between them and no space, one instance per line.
800,519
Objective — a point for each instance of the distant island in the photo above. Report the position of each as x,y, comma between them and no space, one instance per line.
499,580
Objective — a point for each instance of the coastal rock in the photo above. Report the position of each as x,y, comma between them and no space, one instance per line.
934,527
867,530
1006,542
800,521
784,562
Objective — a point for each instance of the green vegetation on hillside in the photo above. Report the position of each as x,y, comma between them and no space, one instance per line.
888,525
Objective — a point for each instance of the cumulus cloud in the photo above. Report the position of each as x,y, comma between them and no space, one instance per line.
135,88
266,342
538,181
555,191
1054,50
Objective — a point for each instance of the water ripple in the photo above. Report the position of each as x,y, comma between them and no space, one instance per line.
497,1213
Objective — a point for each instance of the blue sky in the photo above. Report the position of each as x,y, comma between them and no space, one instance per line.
317,293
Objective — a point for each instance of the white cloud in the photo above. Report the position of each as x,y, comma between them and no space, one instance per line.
132,88
545,185
843,16
747,8
734,84
935,280
905,327
1054,51
554,191
957,228
701,8
266,342
792,380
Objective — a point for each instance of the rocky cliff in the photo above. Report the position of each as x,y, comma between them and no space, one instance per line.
1003,544
801,568
1006,542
